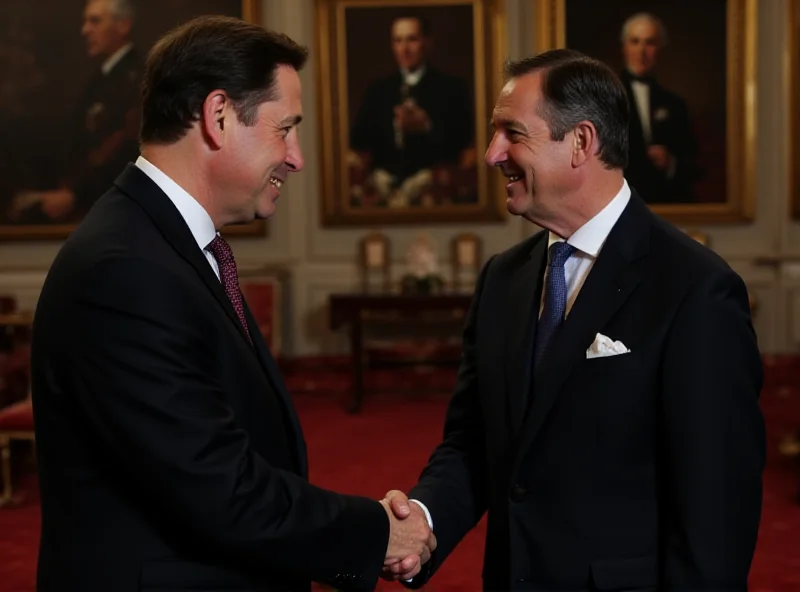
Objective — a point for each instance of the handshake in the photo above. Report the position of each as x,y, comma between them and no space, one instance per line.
411,540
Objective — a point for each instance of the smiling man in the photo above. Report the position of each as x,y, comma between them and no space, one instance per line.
170,454
606,411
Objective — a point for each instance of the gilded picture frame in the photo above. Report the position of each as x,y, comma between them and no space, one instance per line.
48,51
373,178
726,194
794,100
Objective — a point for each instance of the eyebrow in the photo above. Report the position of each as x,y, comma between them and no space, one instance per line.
291,120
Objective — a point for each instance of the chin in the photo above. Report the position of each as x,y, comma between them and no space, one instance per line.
266,212
518,204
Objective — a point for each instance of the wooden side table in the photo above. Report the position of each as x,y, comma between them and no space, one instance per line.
353,310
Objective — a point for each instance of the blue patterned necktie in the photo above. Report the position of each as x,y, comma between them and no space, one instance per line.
555,299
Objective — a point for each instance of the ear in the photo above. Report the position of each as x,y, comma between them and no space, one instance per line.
584,143
216,108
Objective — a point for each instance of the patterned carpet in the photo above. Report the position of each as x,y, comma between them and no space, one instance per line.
389,441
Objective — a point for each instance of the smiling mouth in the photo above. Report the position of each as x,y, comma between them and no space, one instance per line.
275,182
513,178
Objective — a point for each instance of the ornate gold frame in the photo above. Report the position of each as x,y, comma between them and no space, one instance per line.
794,100
251,12
741,36
490,50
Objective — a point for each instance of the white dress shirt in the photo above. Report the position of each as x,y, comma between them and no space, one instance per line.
413,78
195,215
588,240
641,96
112,61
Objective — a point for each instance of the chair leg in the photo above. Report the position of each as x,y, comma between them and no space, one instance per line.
5,467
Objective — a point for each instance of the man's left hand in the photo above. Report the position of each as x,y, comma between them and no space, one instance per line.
412,118
660,157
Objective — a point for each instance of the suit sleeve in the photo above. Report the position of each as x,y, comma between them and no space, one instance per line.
453,485
139,369
712,436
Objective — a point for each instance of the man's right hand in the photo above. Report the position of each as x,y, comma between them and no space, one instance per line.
411,541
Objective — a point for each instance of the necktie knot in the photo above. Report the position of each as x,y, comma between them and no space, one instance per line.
559,253
221,250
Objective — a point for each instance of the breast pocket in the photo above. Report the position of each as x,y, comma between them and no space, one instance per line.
610,364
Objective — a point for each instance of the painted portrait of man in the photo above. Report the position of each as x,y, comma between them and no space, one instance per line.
412,138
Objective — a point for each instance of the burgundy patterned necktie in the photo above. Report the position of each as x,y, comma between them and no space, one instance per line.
230,280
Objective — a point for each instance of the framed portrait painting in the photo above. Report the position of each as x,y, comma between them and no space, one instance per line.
689,70
794,100
406,91
70,102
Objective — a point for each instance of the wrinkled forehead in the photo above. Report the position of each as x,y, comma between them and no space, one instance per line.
519,99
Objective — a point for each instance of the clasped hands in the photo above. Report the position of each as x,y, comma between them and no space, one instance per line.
411,118
411,541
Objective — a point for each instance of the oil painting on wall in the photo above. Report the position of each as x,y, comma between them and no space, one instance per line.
405,93
689,71
69,102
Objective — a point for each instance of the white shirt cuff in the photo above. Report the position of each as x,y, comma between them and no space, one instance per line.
427,514
427,517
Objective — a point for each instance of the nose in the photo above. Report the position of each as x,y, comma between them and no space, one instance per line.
294,157
496,152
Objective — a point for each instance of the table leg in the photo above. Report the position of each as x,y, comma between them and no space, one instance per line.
357,351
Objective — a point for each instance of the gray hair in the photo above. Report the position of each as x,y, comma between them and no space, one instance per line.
663,39
120,9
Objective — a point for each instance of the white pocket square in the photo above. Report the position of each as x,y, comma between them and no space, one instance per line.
603,347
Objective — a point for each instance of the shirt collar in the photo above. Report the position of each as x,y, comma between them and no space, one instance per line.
413,78
590,237
195,215
109,64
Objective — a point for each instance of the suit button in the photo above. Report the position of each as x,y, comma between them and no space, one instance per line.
518,493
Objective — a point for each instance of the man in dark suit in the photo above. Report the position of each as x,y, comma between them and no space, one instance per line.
661,164
606,411
105,124
170,454
413,119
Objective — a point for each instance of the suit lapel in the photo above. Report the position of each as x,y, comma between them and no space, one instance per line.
139,187
524,294
614,276
158,206
274,376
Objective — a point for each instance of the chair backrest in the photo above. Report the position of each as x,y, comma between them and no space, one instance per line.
466,259
375,263
264,294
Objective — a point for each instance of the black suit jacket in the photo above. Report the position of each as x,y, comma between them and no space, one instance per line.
169,451
448,103
638,471
670,126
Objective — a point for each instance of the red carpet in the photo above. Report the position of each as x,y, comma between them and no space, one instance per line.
386,445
